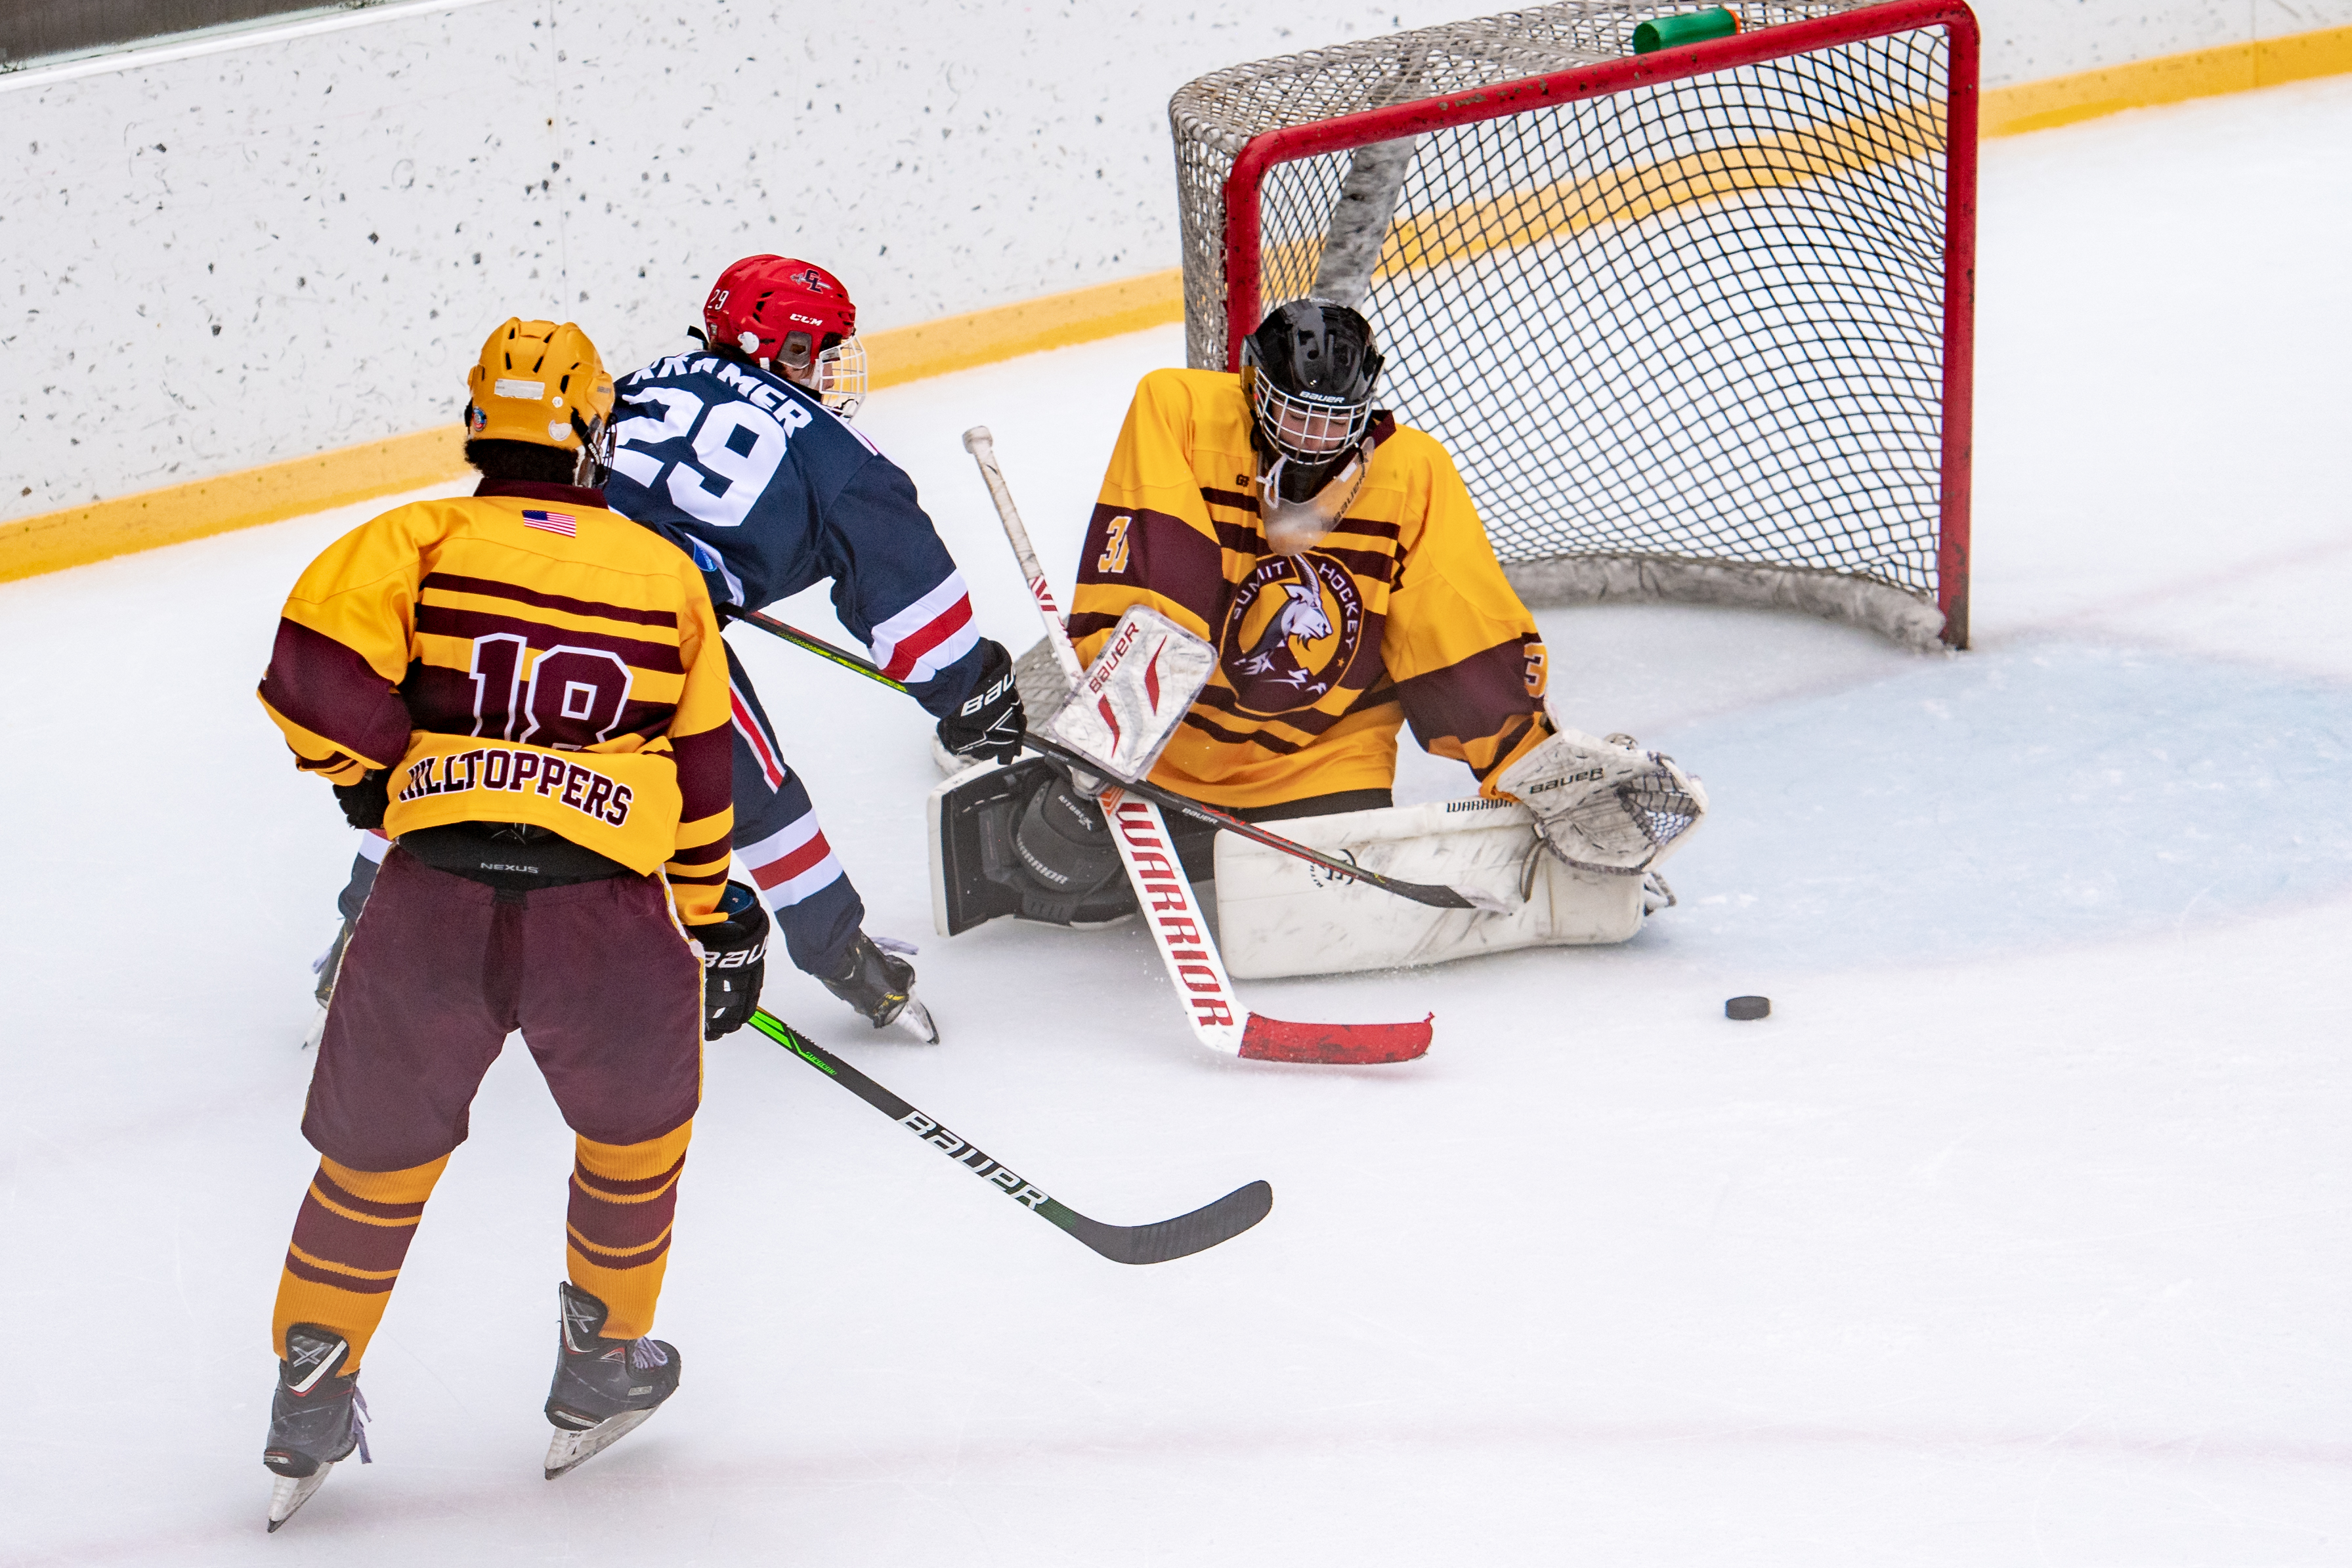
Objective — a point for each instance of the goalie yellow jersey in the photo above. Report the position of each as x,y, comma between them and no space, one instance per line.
1400,614
519,655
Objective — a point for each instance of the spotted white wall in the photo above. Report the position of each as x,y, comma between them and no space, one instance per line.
2027,40
294,242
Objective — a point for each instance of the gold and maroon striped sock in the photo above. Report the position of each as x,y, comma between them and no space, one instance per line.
623,1198
350,1237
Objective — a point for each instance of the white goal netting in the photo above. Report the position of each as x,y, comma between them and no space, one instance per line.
1685,337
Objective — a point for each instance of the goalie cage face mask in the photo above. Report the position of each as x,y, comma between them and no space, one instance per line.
1308,373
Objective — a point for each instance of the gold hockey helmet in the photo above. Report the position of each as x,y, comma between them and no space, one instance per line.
540,383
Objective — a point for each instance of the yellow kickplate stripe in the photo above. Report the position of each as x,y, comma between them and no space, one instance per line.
2170,78
79,535
1571,207
905,354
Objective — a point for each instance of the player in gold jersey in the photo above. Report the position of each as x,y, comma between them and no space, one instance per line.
527,692
1333,558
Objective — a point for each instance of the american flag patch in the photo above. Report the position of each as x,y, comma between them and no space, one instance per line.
562,523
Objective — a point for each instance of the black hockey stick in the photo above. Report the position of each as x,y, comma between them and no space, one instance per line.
1177,1238
1437,895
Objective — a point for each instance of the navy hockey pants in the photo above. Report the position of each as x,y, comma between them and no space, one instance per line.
776,837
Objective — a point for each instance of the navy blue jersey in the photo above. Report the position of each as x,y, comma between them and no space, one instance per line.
771,492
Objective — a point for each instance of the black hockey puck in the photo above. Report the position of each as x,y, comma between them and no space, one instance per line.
1747,1008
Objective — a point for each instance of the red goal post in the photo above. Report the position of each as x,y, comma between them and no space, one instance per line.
1695,323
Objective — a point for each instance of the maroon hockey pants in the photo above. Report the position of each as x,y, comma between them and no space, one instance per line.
596,975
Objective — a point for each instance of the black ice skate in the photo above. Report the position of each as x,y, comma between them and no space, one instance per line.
316,1417
604,1388
881,987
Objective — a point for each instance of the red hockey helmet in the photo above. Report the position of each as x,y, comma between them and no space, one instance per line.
775,309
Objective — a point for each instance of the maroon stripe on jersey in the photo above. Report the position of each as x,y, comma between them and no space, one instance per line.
706,772
442,701
1241,540
1250,543
1258,738
716,878
340,1282
649,720
1306,721
447,621
717,848
1166,554
328,765
1472,699
490,589
1506,739
329,690
1374,566
342,1198
332,1238
624,1186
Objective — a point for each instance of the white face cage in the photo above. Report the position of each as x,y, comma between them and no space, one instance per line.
837,375
1304,426
841,377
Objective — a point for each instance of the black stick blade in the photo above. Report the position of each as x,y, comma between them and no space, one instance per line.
1169,1238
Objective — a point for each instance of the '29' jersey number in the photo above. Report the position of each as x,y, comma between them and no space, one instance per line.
734,449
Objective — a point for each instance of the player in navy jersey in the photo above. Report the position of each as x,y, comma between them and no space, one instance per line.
741,453
744,454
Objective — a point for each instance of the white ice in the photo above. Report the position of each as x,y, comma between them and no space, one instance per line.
2017,1235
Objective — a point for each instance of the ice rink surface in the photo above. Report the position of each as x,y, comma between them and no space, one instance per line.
2017,1235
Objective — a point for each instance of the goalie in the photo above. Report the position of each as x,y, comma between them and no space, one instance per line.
1333,565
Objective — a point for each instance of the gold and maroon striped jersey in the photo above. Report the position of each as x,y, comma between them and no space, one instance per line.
1400,614
519,655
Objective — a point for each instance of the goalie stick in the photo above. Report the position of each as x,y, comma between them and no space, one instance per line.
1177,1238
1437,895
1179,928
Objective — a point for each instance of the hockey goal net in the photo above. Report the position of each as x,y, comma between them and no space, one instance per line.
1694,323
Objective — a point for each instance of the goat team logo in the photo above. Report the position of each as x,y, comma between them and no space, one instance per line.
1294,628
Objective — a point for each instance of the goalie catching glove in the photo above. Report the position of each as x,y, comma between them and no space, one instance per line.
1605,805
988,726
734,961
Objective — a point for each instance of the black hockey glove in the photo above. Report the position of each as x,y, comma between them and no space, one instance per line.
363,803
988,726
734,961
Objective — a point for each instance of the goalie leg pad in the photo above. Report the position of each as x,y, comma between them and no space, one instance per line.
1278,916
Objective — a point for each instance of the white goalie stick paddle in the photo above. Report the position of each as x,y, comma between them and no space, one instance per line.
1218,1018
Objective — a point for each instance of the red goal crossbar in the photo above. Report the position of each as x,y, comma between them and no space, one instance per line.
1346,132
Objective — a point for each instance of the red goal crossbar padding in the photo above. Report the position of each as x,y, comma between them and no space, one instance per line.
1344,132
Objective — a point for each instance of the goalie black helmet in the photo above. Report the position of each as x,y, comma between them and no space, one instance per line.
1309,371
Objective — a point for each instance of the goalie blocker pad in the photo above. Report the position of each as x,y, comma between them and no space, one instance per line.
1124,708
1278,916
970,819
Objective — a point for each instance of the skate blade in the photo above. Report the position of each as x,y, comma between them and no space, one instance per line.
317,1031
915,1018
568,1450
287,1494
